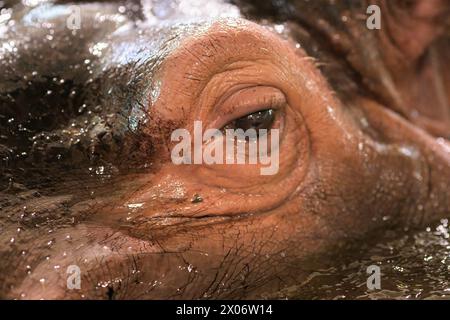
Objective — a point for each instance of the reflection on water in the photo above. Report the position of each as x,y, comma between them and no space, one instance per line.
414,265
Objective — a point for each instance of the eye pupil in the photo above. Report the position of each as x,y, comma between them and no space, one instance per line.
258,120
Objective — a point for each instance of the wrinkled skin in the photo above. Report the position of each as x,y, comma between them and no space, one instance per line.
86,175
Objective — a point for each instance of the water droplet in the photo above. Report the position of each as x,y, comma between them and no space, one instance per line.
163,9
197,198
360,146
135,205
28,269
82,108
100,170
279,28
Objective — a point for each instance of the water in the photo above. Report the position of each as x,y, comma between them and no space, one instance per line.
414,264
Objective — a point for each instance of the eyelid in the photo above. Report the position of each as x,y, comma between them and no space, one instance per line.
247,101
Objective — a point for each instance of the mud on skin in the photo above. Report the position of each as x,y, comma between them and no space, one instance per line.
86,118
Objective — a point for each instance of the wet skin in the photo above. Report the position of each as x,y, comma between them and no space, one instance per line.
86,118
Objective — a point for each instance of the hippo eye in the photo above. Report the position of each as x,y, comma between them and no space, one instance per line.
255,108
263,119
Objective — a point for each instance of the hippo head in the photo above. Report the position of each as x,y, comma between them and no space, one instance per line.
91,94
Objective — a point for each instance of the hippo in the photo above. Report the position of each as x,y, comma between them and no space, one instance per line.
92,205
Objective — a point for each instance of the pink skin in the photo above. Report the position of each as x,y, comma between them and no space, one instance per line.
343,167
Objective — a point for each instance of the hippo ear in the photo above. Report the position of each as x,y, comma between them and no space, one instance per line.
403,60
414,24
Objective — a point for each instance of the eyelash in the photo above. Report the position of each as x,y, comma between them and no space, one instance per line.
261,104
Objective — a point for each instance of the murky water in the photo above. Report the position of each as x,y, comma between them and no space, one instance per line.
414,264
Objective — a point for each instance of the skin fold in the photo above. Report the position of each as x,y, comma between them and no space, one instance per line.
86,116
